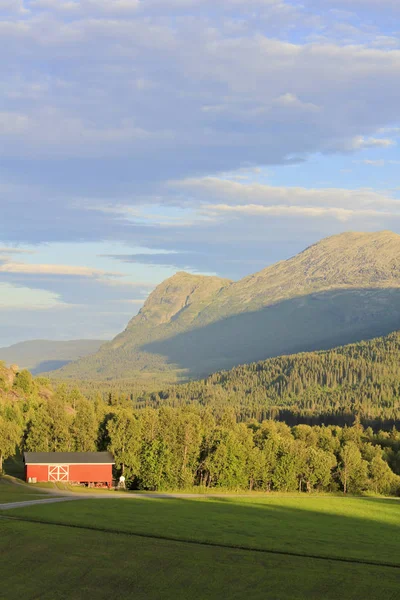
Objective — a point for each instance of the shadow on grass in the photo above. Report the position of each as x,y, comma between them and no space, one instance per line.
47,562
14,466
349,529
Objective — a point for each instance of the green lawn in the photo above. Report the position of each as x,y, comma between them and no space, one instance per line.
41,561
358,528
84,563
11,492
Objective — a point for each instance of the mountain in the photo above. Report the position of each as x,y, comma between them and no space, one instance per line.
341,290
44,355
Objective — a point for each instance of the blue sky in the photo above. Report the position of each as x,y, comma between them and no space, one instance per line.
143,137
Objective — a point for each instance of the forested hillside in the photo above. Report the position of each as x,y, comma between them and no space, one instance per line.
333,387
341,407
341,290
206,446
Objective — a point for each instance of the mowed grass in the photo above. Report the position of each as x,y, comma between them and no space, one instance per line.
109,560
327,526
43,561
11,492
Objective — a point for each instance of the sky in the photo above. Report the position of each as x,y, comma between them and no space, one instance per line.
139,138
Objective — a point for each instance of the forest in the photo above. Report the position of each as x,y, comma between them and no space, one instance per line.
328,387
207,444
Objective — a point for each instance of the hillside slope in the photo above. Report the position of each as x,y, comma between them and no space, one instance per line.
44,355
331,386
340,290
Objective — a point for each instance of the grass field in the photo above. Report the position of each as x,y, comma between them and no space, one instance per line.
89,548
10,492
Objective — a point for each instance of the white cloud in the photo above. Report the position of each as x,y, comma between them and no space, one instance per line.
158,6
6,251
89,6
19,297
13,123
373,163
13,7
65,270
341,214
360,142
213,189
188,86
55,5
50,129
357,4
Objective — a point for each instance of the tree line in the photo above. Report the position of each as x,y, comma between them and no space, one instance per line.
208,445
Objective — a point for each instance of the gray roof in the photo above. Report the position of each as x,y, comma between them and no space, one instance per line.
68,458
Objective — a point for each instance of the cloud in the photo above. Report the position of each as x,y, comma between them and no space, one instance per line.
13,7
357,4
8,251
24,298
187,94
145,122
360,142
78,137
65,270
269,222
88,6
159,7
13,123
213,189
373,163
341,214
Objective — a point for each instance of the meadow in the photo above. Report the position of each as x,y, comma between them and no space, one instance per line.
17,493
280,546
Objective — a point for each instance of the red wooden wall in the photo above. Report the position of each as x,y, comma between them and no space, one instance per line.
79,473
38,471
90,473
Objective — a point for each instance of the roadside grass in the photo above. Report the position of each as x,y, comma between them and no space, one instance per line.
365,529
12,492
56,563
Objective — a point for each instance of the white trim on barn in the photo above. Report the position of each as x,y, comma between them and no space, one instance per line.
58,473
69,464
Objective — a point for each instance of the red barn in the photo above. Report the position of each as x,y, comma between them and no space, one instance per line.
74,467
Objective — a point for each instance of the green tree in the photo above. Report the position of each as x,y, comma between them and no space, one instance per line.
226,463
353,469
318,468
85,427
10,438
155,465
188,442
39,431
284,478
124,432
382,479
49,429
24,381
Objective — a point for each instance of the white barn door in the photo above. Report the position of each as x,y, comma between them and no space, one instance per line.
58,473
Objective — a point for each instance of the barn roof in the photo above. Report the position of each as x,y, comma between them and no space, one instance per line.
68,458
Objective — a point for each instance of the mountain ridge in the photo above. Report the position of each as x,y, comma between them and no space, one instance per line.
42,355
339,290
